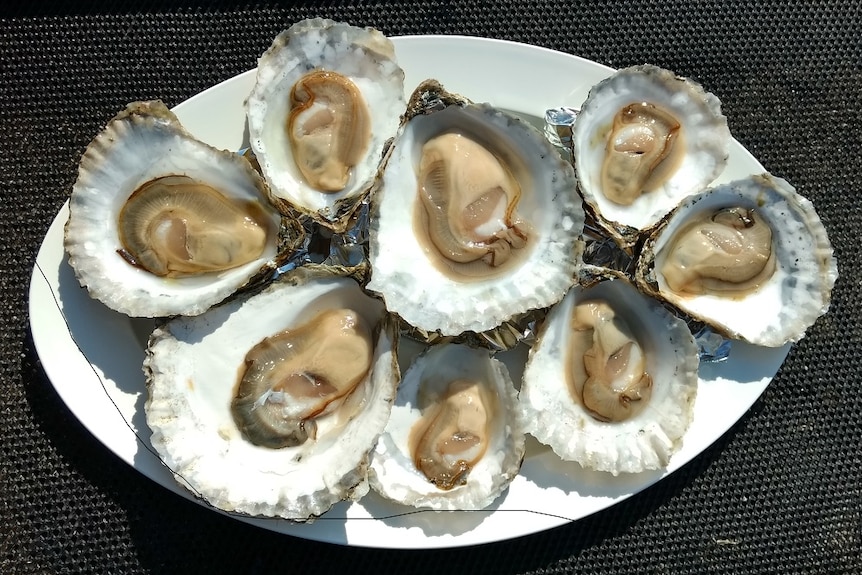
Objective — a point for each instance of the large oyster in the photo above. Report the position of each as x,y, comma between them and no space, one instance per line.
643,140
612,379
162,224
327,98
269,404
454,439
476,217
750,257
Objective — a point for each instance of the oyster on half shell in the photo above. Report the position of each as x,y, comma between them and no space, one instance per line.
454,439
750,258
269,404
475,219
163,224
611,380
643,140
327,98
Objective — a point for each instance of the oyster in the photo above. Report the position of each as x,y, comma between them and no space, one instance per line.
162,224
269,404
475,220
643,140
327,98
454,439
611,380
751,258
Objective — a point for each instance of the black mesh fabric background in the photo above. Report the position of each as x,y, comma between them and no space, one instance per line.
780,492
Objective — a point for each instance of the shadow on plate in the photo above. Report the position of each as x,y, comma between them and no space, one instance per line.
546,470
112,342
747,364
432,523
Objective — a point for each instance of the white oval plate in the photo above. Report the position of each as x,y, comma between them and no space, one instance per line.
93,355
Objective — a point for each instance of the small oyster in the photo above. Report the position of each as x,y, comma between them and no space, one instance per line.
269,404
454,439
643,140
751,258
475,220
162,224
327,98
611,380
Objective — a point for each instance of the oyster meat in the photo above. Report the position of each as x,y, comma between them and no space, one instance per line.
475,220
162,224
454,439
611,380
327,98
751,258
269,404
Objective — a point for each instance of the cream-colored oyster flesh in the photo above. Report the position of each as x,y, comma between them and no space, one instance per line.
724,251
162,224
329,129
326,99
269,404
608,372
468,207
453,434
176,226
294,376
454,439
476,218
642,151
750,257
643,140
611,380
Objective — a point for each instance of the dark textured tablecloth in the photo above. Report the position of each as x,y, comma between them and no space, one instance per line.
780,492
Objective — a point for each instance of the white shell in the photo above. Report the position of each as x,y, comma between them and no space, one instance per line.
646,440
705,130
798,292
393,473
192,366
419,292
363,55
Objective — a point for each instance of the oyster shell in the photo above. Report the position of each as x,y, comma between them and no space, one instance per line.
611,380
454,439
162,224
751,258
269,404
327,98
454,248
643,140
